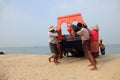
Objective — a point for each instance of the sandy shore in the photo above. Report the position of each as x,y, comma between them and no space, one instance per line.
37,67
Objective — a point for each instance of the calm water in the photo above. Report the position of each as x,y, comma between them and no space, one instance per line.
110,49
26,50
113,48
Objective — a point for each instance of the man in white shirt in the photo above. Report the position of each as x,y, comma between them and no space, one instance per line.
85,37
52,34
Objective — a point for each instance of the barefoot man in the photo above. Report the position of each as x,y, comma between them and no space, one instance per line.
52,34
85,37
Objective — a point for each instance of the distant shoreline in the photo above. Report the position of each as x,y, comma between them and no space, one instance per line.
110,49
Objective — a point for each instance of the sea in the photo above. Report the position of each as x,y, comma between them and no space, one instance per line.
109,49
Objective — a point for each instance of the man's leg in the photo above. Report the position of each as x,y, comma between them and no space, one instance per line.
56,58
92,59
51,58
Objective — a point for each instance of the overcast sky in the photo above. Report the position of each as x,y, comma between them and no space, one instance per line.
25,22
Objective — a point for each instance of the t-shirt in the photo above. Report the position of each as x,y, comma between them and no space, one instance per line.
84,34
102,46
94,36
52,37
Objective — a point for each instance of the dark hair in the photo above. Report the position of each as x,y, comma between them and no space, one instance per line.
75,28
79,25
85,26
101,40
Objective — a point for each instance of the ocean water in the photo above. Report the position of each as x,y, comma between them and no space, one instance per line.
109,49
26,50
113,49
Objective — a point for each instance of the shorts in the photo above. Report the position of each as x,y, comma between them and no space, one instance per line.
53,47
86,46
94,46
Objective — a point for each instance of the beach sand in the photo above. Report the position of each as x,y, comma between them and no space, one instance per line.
37,67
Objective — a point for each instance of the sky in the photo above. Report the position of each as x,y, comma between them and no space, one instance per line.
26,22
